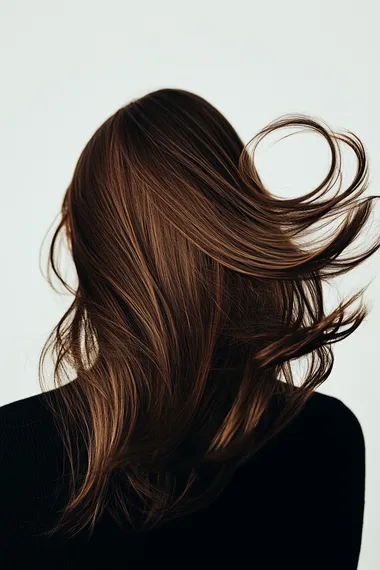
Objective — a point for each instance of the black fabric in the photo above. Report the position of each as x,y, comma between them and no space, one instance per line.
297,504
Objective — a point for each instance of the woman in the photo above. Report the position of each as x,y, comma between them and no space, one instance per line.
183,438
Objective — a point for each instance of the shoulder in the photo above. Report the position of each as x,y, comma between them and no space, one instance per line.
24,411
31,409
19,423
317,460
28,431
326,429
30,441
327,415
320,412
31,448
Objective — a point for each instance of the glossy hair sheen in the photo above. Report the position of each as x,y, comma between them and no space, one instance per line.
194,295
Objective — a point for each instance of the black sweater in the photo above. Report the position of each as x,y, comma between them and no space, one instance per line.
298,504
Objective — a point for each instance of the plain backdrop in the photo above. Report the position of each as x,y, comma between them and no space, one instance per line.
66,66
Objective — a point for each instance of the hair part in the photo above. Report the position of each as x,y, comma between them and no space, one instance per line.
193,299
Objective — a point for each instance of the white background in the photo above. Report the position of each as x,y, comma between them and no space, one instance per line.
66,66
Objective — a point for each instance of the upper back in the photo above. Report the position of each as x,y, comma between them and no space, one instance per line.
301,495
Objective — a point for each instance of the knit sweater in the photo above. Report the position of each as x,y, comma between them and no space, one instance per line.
297,504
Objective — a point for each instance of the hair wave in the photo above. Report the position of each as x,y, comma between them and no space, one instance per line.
194,295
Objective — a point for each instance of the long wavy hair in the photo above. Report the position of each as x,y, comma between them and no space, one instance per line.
194,296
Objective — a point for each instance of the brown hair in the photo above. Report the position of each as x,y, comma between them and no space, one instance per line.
193,298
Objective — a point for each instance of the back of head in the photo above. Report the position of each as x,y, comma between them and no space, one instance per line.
193,297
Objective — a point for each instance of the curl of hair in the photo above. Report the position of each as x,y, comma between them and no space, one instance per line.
194,296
